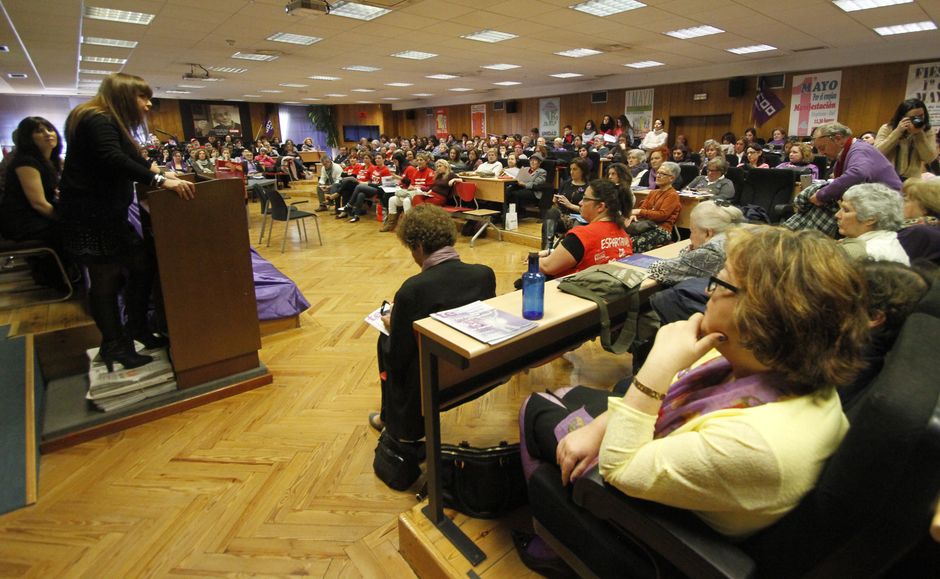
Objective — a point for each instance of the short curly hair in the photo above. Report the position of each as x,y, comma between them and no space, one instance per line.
428,227
801,308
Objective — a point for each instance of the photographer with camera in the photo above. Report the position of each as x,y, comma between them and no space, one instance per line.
908,140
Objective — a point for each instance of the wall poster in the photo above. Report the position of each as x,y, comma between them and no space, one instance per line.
549,117
478,120
923,82
440,123
814,100
638,107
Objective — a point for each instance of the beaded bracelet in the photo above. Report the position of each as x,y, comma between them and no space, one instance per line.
648,391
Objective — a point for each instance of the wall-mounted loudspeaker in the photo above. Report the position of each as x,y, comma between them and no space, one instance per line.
429,112
599,98
512,107
736,86
410,115
774,81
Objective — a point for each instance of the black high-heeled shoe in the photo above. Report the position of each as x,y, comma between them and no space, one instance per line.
150,341
122,351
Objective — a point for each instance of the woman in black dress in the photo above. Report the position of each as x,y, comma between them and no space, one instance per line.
27,210
97,188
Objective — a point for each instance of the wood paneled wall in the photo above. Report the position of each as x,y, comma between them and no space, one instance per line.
869,97
367,114
166,117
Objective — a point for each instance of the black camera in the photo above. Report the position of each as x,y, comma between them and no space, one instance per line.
918,122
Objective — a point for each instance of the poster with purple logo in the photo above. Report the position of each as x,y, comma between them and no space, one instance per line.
814,100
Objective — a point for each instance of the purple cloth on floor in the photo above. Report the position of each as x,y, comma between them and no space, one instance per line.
277,295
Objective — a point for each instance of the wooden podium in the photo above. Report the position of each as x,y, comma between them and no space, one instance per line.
206,280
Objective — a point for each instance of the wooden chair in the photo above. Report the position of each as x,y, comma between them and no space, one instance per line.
281,211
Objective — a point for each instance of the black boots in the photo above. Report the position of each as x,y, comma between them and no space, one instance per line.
122,350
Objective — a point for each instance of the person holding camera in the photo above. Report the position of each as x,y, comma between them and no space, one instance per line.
908,140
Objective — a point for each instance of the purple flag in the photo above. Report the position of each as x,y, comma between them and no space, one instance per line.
766,104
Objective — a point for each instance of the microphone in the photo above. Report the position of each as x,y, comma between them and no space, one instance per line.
171,135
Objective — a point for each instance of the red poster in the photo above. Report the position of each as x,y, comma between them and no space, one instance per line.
478,120
440,123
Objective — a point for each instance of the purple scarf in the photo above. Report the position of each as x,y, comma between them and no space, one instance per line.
702,390
446,253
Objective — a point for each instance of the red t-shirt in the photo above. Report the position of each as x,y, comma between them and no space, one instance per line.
361,172
603,241
420,178
376,173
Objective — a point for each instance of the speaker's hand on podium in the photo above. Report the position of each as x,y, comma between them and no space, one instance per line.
184,189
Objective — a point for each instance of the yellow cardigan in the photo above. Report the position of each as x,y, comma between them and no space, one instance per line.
739,469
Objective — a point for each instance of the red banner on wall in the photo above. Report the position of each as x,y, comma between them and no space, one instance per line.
478,120
440,123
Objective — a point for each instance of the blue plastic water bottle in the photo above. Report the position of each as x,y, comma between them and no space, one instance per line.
533,290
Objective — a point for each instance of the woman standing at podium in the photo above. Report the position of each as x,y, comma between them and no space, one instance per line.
97,188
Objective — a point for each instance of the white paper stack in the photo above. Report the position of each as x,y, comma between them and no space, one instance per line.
110,391
484,323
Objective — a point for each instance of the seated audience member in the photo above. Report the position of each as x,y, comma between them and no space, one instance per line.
599,147
328,185
714,180
511,169
491,165
893,292
869,217
636,161
442,186
647,179
619,175
308,145
705,254
566,203
656,215
590,129
567,137
740,438
800,158
291,163
710,150
908,140
727,143
342,156
655,138
519,152
202,165
755,157
359,171
751,138
607,125
623,128
679,155
445,282
527,189
584,153
30,179
618,152
778,138
370,189
868,137
176,164
682,142
739,152
416,180
602,240
252,169
558,144
473,160
920,233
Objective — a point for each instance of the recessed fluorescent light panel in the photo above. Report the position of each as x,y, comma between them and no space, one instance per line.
414,55
751,49
460,89
422,94
321,77
399,84
578,52
357,11
254,56
360,68
271,91
441,76
607,7
191,86
103,59
292,85
176,91
905,28
364,102
230,69
211,79
311,99
566,75
94,71
291,103
333,94
489,36
694,32
507,83
644,64
112,15
500,66
391,99
855,5
294,38
252,96
363,90
98,41
16,75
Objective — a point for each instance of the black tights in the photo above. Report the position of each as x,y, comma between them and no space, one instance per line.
134,271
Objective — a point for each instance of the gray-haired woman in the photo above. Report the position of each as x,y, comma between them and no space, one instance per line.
869,217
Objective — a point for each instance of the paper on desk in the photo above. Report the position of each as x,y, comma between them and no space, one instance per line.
375,320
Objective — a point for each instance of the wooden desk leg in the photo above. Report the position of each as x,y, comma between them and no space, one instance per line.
432,431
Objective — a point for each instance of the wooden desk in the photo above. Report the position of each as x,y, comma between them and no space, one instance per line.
456,368
688,203
490,188
310,156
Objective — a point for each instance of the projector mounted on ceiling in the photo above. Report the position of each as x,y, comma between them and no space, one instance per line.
307,5
193,75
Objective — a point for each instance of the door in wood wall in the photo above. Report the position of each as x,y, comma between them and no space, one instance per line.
698,128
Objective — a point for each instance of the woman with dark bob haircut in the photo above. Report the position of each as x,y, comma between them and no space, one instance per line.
27,210
445,282
743,433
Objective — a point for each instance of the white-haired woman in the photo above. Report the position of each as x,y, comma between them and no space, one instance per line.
869,217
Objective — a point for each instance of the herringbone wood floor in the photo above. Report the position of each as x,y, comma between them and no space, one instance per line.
276,481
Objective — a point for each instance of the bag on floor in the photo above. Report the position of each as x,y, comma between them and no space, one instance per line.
604,285
484,483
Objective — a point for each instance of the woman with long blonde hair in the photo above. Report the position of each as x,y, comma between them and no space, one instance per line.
97,188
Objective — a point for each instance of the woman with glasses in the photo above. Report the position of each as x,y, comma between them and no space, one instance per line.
656,215
602,240
743,433
800,158
754,157
714,180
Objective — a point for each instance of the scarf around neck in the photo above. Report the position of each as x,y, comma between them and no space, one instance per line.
446,253
840,162
704,390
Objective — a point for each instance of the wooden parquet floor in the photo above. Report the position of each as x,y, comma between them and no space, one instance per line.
277,481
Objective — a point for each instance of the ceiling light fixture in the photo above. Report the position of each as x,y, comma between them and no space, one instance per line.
441,76
694,32
294,38
422,94
399,84
579,52
489,36
113,42
566,75
94,71
855,5
321,77
293,85
414,55
311,99
906,28
644,64
333,94
500,66
103,59
391,99
357,11
112,15
254,56
607,7
361,68
272,91
230,69
362,90
460,89
507,83
191,86
752,49
176,91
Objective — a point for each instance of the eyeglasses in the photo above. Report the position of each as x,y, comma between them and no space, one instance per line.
714,282
594,199
721,202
